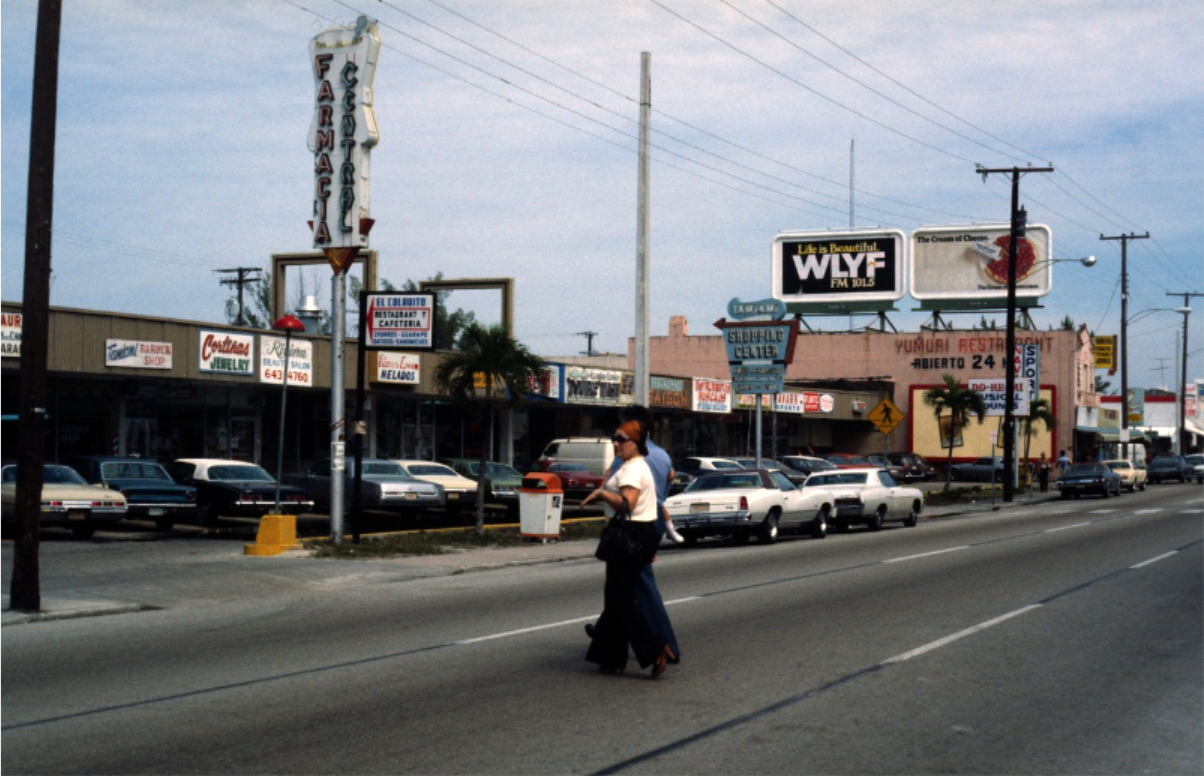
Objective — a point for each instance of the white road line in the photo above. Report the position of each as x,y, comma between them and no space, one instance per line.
956,636
1191,511
546,626
1148,511
1065,527
927,554
1103,511
1163,556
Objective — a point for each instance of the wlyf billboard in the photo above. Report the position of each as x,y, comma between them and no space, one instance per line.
830,270
971,262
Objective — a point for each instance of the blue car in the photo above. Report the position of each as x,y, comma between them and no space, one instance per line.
149,490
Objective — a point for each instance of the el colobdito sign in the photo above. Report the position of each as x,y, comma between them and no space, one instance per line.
831,270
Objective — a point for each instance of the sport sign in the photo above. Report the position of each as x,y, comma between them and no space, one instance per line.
400,321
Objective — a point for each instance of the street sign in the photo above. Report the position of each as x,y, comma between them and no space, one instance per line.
400,320
758,378
886,416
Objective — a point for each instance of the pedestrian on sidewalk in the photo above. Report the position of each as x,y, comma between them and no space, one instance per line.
1043,468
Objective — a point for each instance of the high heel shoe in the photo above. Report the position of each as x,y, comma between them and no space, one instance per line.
662,662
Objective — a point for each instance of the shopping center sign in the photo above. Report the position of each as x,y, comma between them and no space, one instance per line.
758,352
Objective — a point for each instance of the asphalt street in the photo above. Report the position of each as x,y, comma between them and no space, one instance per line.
1054,637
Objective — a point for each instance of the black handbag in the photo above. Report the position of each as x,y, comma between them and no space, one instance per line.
620,540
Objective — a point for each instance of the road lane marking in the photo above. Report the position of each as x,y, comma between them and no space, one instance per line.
1065,527
927,554
1148,511
1163,556
521,631
958,636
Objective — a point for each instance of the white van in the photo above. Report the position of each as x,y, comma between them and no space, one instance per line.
596,453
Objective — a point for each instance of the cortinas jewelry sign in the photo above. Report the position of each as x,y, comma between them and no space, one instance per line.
342,133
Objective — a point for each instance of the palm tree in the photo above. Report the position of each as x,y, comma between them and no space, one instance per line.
1039,410
487,354
961,403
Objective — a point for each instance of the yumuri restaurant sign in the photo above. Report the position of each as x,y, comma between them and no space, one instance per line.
342,132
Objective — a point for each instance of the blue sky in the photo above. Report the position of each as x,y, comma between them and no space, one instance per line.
508,148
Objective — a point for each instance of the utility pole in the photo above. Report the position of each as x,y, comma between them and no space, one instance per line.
589,341
643,384
242,278
1186,310
25,593
1124,334
1019,222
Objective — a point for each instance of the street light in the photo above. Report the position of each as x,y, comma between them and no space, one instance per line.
287,324
1183,386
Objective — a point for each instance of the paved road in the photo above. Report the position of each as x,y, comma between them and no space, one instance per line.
1060,637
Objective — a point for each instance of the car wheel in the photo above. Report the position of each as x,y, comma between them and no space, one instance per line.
875,522
206,515
164,523
819,526
689,538
1065,495
840,525
953,475
767,533
913,517
1105,491
83,531
1141,486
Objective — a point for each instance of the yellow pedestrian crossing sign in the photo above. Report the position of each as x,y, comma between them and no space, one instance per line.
886,416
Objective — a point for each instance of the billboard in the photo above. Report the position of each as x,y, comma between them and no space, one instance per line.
831,271
970,263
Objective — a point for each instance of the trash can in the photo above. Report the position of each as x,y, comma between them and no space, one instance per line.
540,499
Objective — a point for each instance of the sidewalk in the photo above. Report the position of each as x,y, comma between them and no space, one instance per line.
240,572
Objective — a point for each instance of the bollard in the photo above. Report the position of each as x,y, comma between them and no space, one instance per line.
277,533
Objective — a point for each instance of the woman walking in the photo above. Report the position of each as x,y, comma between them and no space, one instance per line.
623,621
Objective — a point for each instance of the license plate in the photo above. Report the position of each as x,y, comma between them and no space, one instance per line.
696,508
156,512
411,495
77,514
452,496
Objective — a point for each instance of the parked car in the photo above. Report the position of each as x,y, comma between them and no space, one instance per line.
1083,478
915,468
576,480
1197,463
459,491
847,460
1165,468
227,488
869,496
596,453
744,502
691,468
383,485
895,470
805,464
1131,477
150,492
67,500
502,481
986,469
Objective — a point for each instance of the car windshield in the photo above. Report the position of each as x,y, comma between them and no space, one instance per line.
1117,466
1083,469
725,465
724,482
132,470
242,473
1164,463
830,480
850,460
384,468
500,470
431,470
567,467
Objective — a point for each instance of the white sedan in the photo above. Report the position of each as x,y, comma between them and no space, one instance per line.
746,502
460,492
67,500
868,495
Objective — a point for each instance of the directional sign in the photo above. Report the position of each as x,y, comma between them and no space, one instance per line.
765,378
886,416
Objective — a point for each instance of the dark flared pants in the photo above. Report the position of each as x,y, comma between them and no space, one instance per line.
624,622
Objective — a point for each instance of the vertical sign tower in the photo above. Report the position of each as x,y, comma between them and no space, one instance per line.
341,135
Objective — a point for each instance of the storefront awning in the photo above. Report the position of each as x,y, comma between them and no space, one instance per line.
1112,434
